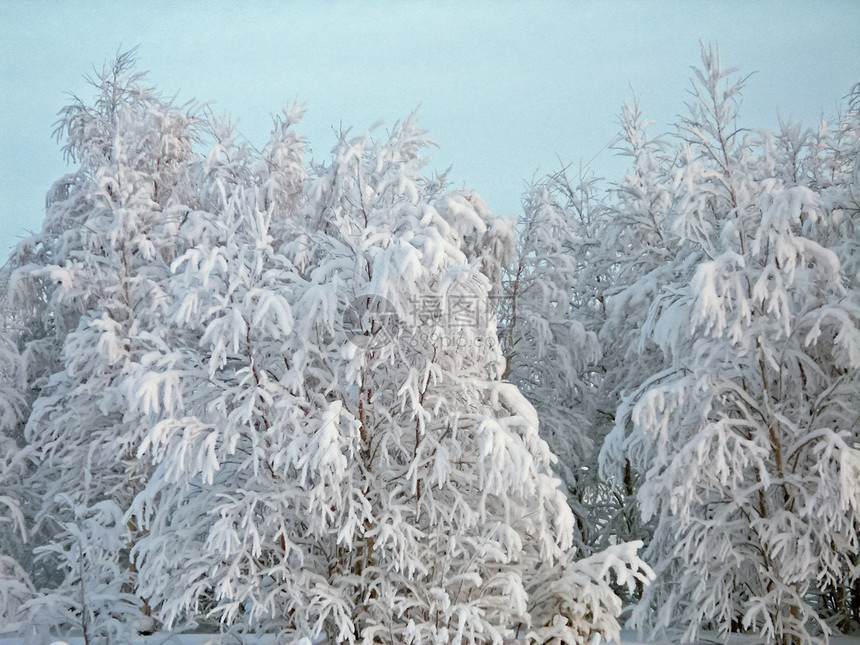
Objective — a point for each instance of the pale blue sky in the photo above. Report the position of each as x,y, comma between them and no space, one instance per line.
506,89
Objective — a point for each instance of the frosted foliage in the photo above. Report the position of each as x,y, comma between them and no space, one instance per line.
747,436
311,480
548,349
249,392
87,301
15,584
94,596
203,419
572,320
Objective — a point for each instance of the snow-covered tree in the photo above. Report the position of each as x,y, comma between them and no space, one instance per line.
746,440
331,399
15,584
829,159
549,342
334,450
635,253
87,299
588,261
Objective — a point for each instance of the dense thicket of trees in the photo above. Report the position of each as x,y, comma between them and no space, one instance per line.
243,388
248,391
717,416
745,436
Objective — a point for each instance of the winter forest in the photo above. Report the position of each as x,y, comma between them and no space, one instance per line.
334,400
